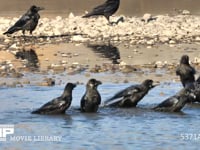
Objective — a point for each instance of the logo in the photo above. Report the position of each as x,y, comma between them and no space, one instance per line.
7,134
5,129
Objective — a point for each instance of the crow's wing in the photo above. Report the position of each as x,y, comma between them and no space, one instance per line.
185,70
52,105
124,93
111,6
168,102
22,21
19,24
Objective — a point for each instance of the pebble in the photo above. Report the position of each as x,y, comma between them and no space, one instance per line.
14,46
185,12
172,42
146,17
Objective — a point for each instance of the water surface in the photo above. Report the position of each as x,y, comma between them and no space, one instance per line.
136,128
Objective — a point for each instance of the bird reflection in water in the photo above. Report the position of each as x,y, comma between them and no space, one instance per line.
106,51
31,58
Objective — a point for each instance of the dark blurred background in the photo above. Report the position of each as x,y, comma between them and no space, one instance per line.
78,7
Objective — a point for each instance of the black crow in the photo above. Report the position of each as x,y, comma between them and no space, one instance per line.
58,105
130,96
91,99
28,21
185,71
107,9
176,102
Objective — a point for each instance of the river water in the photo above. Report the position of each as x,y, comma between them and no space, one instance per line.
78,7
117,129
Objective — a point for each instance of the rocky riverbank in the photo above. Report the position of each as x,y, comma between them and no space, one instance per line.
148,29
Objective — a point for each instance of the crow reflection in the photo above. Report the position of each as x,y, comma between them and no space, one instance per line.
106,51
30,56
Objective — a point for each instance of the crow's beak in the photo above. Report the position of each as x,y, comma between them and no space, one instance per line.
99,82
40,8
74,85
155,85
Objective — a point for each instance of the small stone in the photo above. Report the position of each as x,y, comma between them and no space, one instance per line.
75,63
1,46
158,64
63,62
59,68
197,39
26,82
7,41
150,42
147,17
14,46
78,38
50,81
76,54
185,12
71,15
196,60
126,81
164,39
64,55
172,42
130,57
59,18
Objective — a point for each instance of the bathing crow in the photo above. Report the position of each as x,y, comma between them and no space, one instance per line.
107,9
185,71
130,96
176,102
28,21
91,99
58,105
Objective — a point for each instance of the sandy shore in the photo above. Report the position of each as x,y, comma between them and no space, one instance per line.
78,49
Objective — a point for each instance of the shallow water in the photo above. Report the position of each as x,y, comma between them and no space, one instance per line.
127,7
117,129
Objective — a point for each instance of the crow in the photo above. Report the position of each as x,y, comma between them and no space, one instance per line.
107,9
91,99
177,102
58,105
185,71
129,97
27,22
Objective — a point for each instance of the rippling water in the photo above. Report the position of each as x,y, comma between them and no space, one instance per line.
117,129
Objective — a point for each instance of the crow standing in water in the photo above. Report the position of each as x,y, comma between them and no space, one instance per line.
91,99
176,102
107,9
58,105
130,96
185,71
28,21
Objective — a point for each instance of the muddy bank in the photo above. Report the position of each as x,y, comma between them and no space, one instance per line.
132,50
50,64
